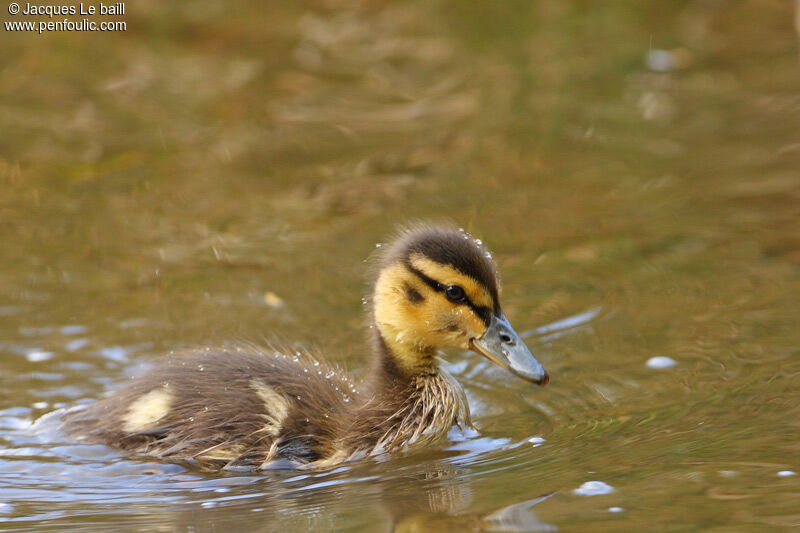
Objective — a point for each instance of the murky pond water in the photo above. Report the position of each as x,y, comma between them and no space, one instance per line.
218,173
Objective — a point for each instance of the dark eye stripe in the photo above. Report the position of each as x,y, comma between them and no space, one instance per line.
483,312
432,283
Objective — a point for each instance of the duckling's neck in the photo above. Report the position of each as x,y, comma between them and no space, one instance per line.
405,405
399,365
399,358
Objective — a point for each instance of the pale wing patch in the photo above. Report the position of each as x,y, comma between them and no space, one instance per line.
447,275
276,407
339,456
221,452
147,410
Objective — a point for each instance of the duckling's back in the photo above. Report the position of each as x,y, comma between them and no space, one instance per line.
240,407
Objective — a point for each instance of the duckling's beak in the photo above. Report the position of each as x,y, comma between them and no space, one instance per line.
501,345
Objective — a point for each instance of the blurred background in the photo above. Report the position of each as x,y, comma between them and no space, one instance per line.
221,171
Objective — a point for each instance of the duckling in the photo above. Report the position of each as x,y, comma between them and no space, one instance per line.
249,407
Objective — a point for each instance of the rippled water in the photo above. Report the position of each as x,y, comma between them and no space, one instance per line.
220,173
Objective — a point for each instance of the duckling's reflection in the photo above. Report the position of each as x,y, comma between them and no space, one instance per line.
401,497
443,501
438,491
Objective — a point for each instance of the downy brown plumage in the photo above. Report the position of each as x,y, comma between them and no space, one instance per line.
252,407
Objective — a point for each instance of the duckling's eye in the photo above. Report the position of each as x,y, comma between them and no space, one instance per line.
455,293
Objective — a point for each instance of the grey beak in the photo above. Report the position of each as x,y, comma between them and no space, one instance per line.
501,345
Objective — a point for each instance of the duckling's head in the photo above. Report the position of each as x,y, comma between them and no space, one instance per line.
438,288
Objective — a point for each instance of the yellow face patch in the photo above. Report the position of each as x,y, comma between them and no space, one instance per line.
415,319
147,410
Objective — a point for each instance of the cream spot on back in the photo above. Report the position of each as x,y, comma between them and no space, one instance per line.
276,406
147,410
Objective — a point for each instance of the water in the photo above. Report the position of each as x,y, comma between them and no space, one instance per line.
220,173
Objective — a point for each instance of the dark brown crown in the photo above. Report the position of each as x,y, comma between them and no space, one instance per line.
452,247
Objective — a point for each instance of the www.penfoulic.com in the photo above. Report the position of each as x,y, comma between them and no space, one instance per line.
50,11
63,25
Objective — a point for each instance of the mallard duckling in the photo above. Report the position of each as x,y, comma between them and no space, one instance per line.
251,408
